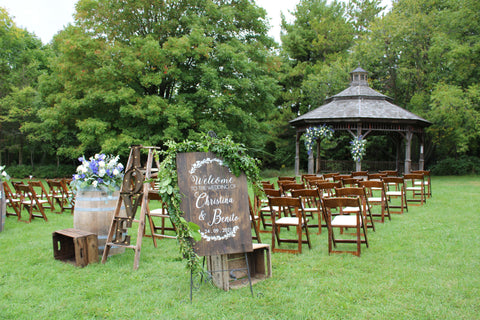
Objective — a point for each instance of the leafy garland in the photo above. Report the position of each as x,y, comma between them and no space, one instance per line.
235,158
358,148
314,133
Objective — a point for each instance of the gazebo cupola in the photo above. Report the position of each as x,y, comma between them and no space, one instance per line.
359,77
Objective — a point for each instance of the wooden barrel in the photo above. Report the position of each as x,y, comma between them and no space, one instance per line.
93,212
3,207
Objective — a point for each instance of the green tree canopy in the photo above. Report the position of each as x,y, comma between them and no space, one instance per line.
143,72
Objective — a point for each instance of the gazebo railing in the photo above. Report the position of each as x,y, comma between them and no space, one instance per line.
344,166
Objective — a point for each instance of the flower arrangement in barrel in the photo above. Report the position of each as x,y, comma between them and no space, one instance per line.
3,174
358,148
313,133
99,172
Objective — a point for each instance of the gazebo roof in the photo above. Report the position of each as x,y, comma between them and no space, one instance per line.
359,104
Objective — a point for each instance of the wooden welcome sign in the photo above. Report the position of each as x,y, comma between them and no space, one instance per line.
216,200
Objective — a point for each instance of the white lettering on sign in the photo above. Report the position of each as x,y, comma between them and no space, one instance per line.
210,180
204,200
218,218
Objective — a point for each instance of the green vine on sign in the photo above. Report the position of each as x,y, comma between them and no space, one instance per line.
234,157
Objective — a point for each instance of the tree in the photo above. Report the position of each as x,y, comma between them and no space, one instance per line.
22,61
144,71
423,53
362,13
456,116
315,47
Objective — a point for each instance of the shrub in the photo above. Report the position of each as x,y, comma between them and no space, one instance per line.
19,171
41,172
463,165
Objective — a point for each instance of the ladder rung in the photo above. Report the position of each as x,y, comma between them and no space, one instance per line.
111,244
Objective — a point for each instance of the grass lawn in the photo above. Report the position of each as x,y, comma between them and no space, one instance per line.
424,264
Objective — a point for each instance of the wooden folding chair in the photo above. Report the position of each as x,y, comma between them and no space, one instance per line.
375,191
157,232
414,186
344,221
357,192
287,188
395,189
42,194
376,176
327,189
299,221
350,182
305,177
59,195
310,181
254,220
361,175
265,212
427,182
390,173
12,202
340,177
311,205
329,176
30,201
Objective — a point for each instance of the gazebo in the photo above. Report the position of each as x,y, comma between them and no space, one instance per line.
360,110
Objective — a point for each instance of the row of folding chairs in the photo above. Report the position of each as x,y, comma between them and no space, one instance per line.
376,190
344,211
35,197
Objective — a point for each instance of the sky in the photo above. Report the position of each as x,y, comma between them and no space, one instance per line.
45,18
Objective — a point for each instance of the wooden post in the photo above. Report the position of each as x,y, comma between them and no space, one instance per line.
421,161
318,156
408,148
310,163
297,154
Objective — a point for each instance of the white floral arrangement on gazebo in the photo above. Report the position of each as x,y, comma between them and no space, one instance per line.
313,133
358,148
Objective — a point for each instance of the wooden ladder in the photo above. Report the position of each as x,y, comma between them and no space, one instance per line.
133,193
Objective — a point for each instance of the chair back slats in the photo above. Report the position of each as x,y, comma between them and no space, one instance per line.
312,205
376,195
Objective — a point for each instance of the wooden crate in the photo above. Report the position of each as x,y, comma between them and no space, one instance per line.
229,270
75,246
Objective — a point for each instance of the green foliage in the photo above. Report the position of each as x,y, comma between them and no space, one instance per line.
41,171
173,71
235,158
456,117
314,47
463,165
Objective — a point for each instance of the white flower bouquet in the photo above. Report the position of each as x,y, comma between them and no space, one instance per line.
3,174
100,172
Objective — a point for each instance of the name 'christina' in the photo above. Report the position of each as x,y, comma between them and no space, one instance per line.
204,200
211,180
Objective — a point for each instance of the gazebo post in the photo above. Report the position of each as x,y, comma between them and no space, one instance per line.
408,147
310,163
318,156
421,161
358,164
297,154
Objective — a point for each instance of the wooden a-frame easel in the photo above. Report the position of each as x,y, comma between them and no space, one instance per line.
133,193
